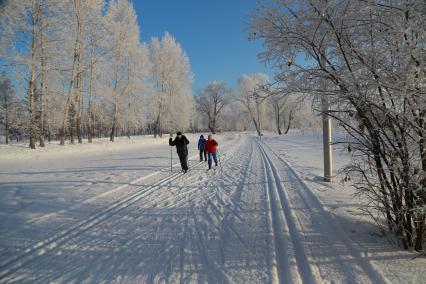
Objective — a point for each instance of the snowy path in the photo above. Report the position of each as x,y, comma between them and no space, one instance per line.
251,221
316,248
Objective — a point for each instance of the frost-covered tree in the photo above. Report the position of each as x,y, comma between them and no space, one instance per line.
210,101
368,59
172,78
84,71
284,112
54,107
124,29
8,104
139,67
76,21
253,94
234,116
96,53
19,25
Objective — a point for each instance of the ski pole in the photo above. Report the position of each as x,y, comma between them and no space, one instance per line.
220,162
171,155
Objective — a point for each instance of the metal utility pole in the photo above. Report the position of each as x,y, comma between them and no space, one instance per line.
326,139
171,134
258,117
326,129
171,154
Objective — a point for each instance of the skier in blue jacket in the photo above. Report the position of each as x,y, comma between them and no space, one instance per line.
201,148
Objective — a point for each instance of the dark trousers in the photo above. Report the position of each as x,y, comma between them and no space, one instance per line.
202,152
183,158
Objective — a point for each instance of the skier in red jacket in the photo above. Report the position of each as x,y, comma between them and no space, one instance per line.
210,148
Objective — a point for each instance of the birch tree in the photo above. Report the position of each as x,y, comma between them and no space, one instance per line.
125,42
96,52
137,71
69,56
8,104
172,78
77,18
20,29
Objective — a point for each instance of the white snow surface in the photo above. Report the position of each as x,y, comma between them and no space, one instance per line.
115,213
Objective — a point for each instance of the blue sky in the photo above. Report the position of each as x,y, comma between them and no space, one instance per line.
212,33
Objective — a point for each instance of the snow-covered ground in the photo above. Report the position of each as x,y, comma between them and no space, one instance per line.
113,212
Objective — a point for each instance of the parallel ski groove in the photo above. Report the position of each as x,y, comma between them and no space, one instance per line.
303,267
30,253
280,272
308,197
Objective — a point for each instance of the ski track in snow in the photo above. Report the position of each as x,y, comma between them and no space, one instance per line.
251,220
320,249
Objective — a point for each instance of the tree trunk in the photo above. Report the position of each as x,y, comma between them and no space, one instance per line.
91,126
420,230
74,120
157,127
420,224
41,137
212,129
75,127
100,130
7,129
258,127
115,92
128,126
290,119
80,108
79,122
31,87
288,127
112,134
129,95
91,130
114,122
160,129
49,132
43,84
77,51
212,124
277,119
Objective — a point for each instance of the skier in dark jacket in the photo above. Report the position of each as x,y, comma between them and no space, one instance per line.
201,148
182,150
